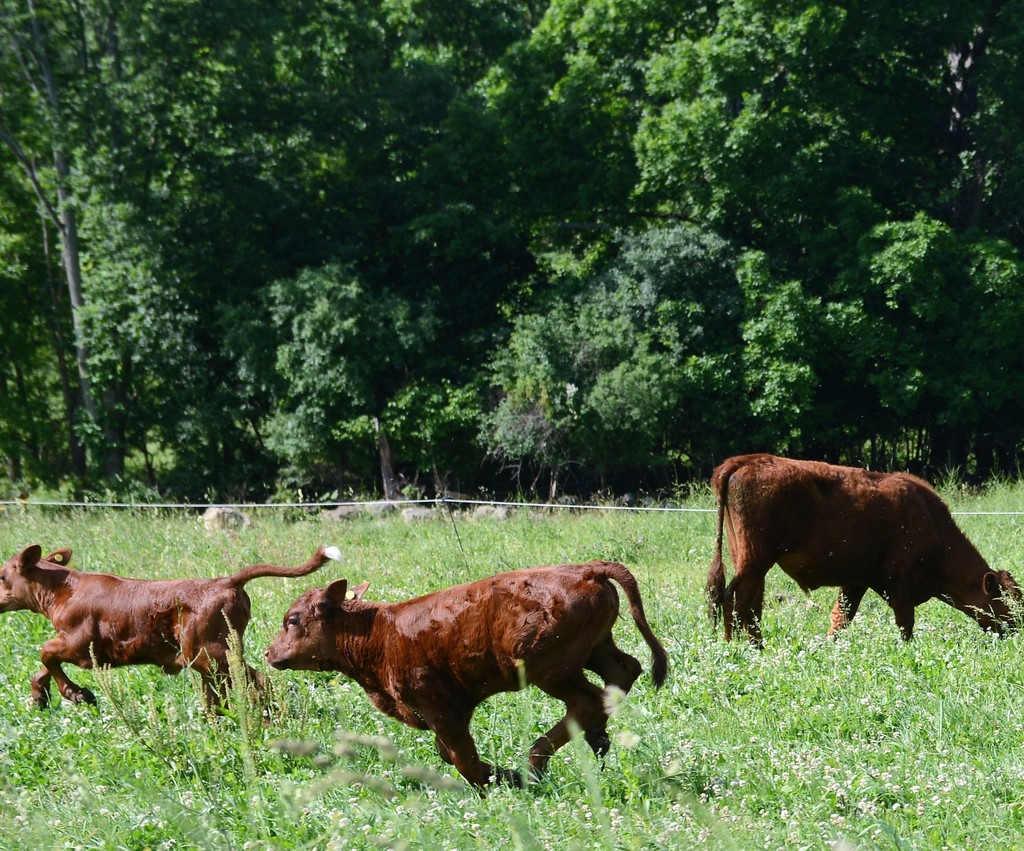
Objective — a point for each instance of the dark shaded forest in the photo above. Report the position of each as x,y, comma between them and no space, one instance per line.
254,250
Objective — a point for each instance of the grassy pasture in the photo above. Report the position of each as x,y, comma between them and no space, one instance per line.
865,742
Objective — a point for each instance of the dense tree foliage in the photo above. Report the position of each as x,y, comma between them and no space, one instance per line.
320,247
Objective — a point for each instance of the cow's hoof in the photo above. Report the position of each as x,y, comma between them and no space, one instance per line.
83,695
41,700
509,777
599,741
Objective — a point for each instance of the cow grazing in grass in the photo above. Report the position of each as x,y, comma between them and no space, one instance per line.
829,525
430,661
110,620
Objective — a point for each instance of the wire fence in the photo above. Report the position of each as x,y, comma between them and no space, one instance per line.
439,501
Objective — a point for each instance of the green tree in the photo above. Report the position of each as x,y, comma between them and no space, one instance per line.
38,124
781,359
409,197
814,135
636,372
930,326
345,351
33,429
566,103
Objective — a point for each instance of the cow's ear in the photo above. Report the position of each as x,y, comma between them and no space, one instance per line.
333,595
357,592
29,557
61,556
1008,585
991,585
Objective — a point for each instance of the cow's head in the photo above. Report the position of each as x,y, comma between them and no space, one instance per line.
18,580
1000,601
313,629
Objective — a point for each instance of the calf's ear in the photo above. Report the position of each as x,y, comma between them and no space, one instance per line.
333,595
29,557
61,556
1008,585
357,592
991,584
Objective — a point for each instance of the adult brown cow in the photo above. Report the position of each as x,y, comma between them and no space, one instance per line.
829,525
111,620
430,661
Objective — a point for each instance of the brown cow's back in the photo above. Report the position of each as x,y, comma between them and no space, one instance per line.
118,631
829,525
521,615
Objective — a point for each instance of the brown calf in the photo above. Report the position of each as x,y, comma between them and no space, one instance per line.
430,661
115,621
829,525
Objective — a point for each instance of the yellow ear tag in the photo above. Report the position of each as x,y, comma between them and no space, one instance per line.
58,558
350,595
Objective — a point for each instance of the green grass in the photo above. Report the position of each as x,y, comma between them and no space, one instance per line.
866,742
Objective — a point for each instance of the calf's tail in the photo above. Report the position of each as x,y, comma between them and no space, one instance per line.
714,589
659,658
254,571
715,586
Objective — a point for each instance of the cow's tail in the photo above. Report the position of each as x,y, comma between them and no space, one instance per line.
619,572
714,589
255,571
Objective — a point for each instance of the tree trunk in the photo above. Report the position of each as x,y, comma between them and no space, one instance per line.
962,62
71,399
387,468
13,454
553,485
112,451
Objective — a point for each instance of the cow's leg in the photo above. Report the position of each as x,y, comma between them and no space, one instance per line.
613,665
904,613
233,618
728,617
456,747
217,666
258,682
210,661
847,603
744,602
53,653
213,666
215,689
585,709
443,751
204,642
216,682
41,689
616,668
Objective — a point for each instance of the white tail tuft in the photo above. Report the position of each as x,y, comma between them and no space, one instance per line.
332,553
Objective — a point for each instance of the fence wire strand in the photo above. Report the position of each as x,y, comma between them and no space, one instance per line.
439,501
